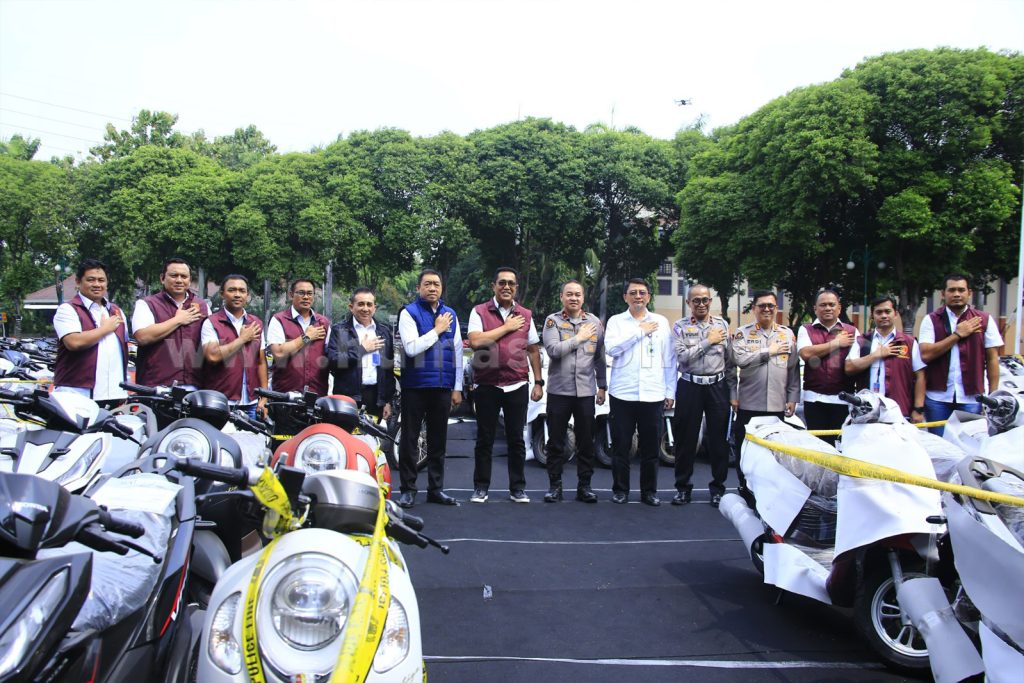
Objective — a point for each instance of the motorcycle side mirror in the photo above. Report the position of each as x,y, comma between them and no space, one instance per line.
28,522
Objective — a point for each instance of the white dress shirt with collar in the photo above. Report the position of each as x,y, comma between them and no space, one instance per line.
210,335
413,344
643,366
876,373
109,362
955,379
477,325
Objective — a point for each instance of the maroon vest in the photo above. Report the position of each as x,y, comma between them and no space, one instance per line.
78,368
827,374
308,367
178,357
504,362
899,371
972,354
226,377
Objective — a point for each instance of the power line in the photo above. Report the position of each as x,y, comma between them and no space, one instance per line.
61,106
47,118
50,132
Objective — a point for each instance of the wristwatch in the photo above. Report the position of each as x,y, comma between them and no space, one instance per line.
539,382
306,340
917,409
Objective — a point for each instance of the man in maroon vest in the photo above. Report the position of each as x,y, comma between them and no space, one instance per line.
233,349
823,346
505,344
961,346
167,327
92,356
297,339
890,361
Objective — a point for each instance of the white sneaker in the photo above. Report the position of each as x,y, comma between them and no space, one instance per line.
479,496
519,497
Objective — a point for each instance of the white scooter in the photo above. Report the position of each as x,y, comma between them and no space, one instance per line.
292,610
842,540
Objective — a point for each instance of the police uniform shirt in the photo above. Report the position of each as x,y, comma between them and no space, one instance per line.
574,368
695,355
766,383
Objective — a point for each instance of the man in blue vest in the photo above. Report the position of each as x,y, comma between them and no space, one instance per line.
431,385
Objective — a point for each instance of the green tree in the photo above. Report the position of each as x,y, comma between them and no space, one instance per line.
148,128
20,147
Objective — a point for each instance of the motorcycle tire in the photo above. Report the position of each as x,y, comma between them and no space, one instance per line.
757,553
421,445
540,447
603,444
666,451
876,613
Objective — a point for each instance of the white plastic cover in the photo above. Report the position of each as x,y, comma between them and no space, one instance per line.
82,410
1003,664
780,493
950,652
966,430
1007,448
945,455
792,570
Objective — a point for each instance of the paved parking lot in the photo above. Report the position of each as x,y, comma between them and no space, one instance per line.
569,591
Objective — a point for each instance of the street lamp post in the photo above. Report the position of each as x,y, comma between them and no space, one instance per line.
850,265
59,273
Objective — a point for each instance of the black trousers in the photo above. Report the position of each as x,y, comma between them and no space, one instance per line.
694,401
739,433
820,415
368,400
644,418
432,405
489,401
581,410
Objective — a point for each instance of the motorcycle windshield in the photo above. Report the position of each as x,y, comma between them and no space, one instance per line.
78,410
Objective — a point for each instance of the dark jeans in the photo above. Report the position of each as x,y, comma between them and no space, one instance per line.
560,409
489,401
739,432
820,415
694,401
936,411
643,417
433,405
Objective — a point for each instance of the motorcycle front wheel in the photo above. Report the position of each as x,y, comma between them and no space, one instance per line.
539,444
603,443
421,444
877,614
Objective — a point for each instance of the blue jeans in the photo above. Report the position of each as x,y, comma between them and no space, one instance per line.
935,411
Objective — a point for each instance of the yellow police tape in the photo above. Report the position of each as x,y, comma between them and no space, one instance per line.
250,643
26,381
269,491
865,470
369,612
838,432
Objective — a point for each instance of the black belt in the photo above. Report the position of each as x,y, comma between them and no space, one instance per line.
703,379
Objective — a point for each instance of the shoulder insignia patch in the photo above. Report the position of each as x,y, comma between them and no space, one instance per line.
549,323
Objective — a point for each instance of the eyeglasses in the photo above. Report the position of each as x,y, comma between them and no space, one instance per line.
637,292
700,300
767,307
507,283
303,293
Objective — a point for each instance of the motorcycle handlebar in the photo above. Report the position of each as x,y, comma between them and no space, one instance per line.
852,399
97,540
203,470
139,388
987,401
120,526
273,395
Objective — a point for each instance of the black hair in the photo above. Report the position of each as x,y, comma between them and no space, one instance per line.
505,269
234,276
360,290
91,264
571,282
425,272
881,300
635,281
758,293
827,290
955,277
297,280
175,259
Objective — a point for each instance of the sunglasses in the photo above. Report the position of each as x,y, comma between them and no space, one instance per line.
507,283
767,307
700,300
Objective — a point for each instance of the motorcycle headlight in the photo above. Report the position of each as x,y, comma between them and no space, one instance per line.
18,641
81,465
310,598
186,442
320,452
394,643
222,646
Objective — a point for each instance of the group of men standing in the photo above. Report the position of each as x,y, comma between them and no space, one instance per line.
695,365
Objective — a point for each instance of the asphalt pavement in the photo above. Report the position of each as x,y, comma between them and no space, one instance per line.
605,592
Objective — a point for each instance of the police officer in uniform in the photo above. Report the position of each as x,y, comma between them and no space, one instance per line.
769,382
574,341
702,347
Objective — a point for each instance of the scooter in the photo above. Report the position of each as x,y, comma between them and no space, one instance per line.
842,540
333,593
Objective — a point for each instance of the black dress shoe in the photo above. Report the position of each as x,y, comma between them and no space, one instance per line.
554,495
585,494
682,497
441,498
619,498
716,499
407,499
650,499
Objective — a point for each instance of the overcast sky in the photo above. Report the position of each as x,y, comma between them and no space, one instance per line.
307,72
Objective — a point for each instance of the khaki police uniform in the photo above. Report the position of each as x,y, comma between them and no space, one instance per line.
576,370
707,378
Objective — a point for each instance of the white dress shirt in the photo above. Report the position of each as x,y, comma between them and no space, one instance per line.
109,361
643,366
803,340
954,392
413,344
876,373
275,330
210,335
476,324
364,332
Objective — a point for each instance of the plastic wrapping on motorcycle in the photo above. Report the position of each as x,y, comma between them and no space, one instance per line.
208,405
340,411
122,584
1003,663
966,430
945,455
951,654
1006,448
346,500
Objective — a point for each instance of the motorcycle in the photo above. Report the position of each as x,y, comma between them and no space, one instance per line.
81,601
842,540
330,591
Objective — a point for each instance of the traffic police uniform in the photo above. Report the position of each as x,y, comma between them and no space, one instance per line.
576,370
707,379
766,383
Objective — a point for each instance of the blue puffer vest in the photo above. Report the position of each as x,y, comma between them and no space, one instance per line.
435,367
